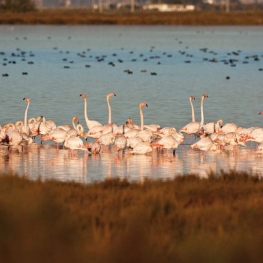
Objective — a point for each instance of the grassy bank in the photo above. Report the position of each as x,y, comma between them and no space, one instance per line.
62,17
188,219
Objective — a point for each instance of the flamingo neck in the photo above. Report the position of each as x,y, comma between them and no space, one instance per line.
142,120
202,110
73,123
109,109
86,112
80,129
25,119
193,111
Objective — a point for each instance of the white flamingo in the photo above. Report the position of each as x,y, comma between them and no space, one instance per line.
13,136
146,135
33,124
90,123
228,127
120,143
192,107
167,142
204,144
72,130
109,106
120,130
106,140
193,128
93,147
75,143
166,131
46,126
142,148
25,128
109,127
133,141
57,136
212,127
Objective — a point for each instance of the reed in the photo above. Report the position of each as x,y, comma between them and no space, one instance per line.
87,17
187,219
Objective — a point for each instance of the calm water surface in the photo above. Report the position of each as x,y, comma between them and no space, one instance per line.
52,65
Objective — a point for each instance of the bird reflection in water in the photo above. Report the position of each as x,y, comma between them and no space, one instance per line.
46,162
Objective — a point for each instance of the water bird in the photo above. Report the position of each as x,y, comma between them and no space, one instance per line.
90,123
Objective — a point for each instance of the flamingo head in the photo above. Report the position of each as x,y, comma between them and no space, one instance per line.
143,104
111,95
26,99
261,113
83,96
205,96
220,122
192,97
76,119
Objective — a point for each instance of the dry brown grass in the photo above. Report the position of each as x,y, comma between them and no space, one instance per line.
188,219
60,17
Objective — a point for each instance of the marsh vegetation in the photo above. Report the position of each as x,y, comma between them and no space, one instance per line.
87,17
187,219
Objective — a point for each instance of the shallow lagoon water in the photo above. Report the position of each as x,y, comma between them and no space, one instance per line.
52,65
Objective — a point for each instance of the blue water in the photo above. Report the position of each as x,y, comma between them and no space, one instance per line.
52,65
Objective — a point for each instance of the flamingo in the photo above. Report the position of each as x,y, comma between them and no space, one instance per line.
13,136
106,139
194,127
204,144
259,149
192,107
228,127
166,131
74,129
120,143
33,124
142,148
122,129
25,128
109,106
2,134
178,137
166,142
90,123
135,131
109,127
46,126
94,132
93,147
153,127
74,143
146,135
57,136
212,127
133,141
256,135
129,123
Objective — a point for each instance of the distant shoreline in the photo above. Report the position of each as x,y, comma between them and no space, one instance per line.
87,17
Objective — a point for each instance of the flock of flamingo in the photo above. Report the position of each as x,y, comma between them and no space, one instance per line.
137,139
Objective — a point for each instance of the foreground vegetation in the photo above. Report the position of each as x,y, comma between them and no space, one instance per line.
219,219
74,17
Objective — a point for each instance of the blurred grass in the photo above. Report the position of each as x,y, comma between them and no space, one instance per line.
78,16
219,219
